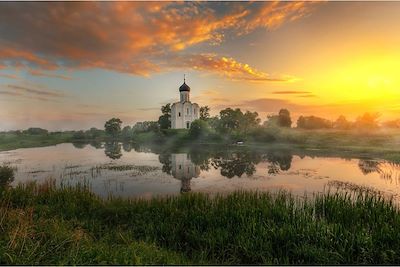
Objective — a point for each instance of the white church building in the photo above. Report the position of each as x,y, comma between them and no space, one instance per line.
184,112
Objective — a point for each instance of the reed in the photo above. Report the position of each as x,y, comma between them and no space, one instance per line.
46,224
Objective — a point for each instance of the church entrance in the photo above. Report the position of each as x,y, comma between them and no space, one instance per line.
187,125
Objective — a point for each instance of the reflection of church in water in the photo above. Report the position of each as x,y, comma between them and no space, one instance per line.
184,169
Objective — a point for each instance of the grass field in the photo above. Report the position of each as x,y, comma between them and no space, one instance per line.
45,225
14,141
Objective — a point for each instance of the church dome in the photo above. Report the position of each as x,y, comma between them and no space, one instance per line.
184,87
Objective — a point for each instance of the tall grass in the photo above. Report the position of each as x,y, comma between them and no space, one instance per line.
48,225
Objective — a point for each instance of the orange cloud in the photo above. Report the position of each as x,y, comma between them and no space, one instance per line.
132,37
224,66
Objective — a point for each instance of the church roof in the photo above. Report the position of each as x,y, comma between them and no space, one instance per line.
184,87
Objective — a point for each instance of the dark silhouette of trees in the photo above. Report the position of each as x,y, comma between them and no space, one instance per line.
367,121
79,144
342,123
204,113
165,119
113,127
165,160
127,146
283,119
312,122
279,161
392,124
237,164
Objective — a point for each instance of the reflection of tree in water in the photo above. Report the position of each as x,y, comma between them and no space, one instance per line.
385,169
79,145
165,160
96,144
236,164
127,146
113,150
278,161
201,158
368,166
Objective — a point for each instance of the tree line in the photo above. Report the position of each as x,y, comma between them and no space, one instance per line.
232,122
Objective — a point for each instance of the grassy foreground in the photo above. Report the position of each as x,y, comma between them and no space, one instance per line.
45,225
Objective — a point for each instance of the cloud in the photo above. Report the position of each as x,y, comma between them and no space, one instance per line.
35,91
307,95
134,37
269,105
9,93
9,76
32,93
224,66
46,74
290,92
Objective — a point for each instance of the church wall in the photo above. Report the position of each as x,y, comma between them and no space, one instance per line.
188,113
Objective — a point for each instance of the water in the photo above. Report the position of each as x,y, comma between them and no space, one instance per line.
123,170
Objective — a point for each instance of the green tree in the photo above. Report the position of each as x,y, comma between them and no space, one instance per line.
281,120
93,133
235,120
113,127
198,128
229,120
284,119
272,121
165,119
36,131
126,132
204,113
250,120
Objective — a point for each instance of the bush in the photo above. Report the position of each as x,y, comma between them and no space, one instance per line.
6,175
199,128
312,122
35,131
264,134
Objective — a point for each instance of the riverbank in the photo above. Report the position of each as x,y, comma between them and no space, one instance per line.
10,141
383,144
42,224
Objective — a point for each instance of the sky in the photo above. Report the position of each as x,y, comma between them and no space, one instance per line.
71,66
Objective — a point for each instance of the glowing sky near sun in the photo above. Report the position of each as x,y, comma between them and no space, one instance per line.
74,65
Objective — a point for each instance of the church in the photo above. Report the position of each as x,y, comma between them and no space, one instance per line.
184,112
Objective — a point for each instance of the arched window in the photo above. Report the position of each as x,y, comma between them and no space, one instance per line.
179,114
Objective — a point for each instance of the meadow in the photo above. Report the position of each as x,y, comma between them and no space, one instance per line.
45,224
